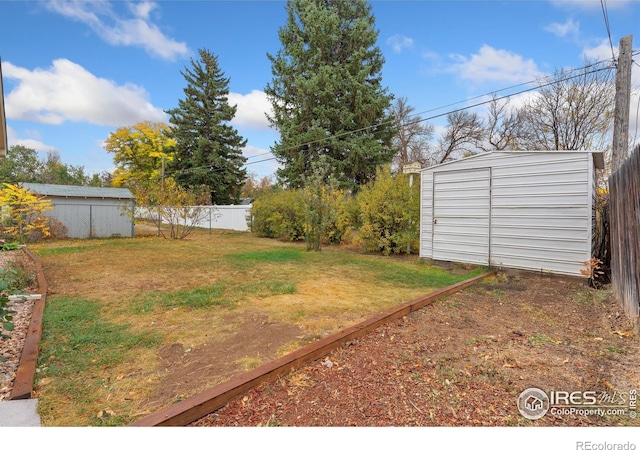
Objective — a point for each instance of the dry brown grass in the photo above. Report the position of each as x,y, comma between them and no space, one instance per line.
130,281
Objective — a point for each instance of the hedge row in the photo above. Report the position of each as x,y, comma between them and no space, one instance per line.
382,217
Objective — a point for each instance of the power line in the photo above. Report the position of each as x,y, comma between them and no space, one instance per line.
526,83
547,77
421,119
452,111
551,79
603,3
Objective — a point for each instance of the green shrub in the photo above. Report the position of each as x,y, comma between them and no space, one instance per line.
312,214
343,219
8,286
322,201
389,214
278,214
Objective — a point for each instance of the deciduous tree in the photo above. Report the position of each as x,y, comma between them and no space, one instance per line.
54,171
20,166
572,111
501,126
23,165
255,185
26,219
320,196
139,152
463,135
171,204
411,140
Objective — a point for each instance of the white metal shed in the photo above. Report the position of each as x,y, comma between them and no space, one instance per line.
89,211
526,210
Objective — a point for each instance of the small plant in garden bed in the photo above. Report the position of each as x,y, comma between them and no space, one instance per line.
24,277
7,288
9,246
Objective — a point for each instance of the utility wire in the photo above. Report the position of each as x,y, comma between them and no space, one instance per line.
422,119
444,113
603,3
526,83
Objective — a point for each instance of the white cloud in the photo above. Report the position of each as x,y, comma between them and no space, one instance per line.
430,55
68,92
399,42
252,108
143,9
253,152
600,52
590,5
260,161
491,64
569,28
29,142
133,31
34,144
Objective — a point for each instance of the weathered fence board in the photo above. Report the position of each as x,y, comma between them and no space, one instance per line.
624,188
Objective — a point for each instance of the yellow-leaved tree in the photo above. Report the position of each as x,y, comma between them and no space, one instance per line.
139,154
23,214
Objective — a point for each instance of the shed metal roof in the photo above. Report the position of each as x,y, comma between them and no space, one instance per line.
598,157
59,190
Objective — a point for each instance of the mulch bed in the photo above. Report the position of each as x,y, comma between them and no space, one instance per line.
462,361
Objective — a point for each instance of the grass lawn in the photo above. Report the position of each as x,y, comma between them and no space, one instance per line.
115,303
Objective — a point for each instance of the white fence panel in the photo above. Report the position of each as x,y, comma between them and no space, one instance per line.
222,217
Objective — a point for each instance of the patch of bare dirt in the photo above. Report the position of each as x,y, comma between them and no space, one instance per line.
462,361
185,369
145,230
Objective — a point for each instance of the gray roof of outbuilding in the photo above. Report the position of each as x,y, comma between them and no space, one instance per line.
59,190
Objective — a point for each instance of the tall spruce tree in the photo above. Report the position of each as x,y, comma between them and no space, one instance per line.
326,93
208,153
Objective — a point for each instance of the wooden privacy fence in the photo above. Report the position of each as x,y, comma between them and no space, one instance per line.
624,188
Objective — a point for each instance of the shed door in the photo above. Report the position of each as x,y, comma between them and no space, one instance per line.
462,216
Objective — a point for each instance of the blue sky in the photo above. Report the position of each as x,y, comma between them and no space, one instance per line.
74,71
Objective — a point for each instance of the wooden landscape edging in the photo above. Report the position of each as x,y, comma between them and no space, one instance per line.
198,406
23,383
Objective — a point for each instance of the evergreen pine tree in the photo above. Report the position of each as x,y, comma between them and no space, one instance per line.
326,93
208,152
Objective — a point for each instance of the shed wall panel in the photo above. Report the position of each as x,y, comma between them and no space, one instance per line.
461,220
539,209
108,220
84,218
426,215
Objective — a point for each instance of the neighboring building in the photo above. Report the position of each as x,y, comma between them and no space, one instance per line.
525,210
89,211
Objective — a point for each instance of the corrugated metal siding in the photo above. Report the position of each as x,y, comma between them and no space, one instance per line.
541,212
426,214
85,218
111,219
88,211
461,215
539,209
59,190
